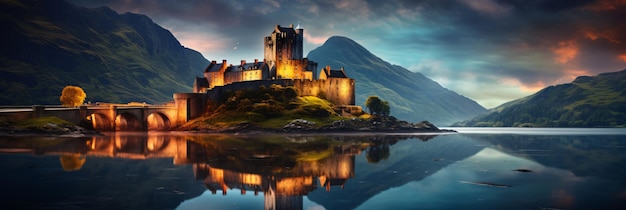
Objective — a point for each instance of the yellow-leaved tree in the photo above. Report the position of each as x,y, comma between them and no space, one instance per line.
72,96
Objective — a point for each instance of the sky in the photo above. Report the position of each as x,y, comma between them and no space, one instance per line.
491,51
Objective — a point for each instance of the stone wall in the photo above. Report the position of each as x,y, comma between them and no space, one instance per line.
190,105
337,90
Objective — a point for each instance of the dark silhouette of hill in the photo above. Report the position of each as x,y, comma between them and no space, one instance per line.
411,95
113,57
588,101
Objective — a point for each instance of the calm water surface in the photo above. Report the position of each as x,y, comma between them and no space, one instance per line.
479,168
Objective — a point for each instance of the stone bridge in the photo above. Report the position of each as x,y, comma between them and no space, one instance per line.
109,117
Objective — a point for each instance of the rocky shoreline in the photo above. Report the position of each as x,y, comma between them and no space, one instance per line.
297,126
50,130
354,125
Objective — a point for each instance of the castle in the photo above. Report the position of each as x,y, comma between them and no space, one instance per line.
283,64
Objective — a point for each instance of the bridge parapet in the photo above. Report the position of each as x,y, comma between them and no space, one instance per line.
104,118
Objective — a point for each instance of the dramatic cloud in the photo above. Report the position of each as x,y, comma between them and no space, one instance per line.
492,51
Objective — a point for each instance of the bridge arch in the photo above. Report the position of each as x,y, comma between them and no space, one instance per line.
127,122
158,121
100,122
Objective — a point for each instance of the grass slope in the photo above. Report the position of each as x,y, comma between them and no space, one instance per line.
598,101
114,58
267,107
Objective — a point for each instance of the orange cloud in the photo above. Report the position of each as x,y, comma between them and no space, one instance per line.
607,34
534,87
565,51
571,74
527,88
591,35
622,57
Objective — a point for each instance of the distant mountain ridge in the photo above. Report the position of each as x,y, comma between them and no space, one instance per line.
411,95
588,101
114,57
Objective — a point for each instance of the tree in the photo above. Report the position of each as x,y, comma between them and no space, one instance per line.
377,107
385,109
72,96
374,105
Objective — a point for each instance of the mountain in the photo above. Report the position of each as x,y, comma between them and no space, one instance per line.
588,101
120,58
411,95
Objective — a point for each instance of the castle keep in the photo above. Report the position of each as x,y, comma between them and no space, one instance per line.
283,64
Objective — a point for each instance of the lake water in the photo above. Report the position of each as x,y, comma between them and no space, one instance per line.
479,168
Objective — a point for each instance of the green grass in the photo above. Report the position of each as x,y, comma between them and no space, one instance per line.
43,122
598,96
229,119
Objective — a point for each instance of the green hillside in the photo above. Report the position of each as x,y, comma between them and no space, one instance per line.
114,58
411,95
598,101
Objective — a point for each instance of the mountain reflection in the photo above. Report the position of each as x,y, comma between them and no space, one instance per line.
282,168
584,155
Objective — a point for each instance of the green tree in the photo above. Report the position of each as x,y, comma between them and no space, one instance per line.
377,107
385,109
374,105
72,96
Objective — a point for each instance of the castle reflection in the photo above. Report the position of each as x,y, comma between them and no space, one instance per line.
282,168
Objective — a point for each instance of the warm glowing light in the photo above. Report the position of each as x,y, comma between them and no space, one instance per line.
345,91
622,57
251,179
155,142
120,143
565,51
527,88
571,74
294,185
93,120
217,174
288,71
72,162
345,169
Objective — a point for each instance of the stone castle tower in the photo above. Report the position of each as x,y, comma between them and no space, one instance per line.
283,54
